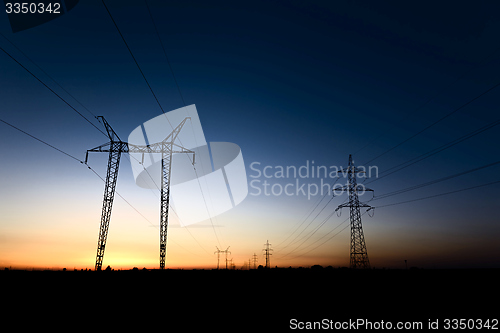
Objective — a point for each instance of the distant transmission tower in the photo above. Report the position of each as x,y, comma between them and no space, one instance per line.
218,255
267,252
255,259
359,255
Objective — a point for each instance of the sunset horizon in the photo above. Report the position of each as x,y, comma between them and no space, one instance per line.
355,142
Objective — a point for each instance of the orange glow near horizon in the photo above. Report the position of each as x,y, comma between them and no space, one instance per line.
53,241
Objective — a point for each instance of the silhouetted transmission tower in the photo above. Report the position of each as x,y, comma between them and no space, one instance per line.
267,252
255,259
218,255
115,147
359,255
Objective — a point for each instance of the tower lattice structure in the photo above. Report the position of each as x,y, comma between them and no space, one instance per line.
358,252
115,147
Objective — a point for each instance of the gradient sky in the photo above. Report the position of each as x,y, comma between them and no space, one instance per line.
289,82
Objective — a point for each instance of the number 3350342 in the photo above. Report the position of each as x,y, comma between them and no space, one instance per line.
32,8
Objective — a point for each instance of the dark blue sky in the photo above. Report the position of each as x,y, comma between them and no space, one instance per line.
289,82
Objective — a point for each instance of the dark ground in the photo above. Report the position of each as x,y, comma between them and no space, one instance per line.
258,300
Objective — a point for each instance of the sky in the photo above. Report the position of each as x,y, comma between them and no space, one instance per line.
293,84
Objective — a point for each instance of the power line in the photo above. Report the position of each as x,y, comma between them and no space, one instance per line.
437,150
69,155
171,207
155,97
441,194
293,240
394,204
451,143
299,224
40,140
50,77
95,172
336,234
133,57
165,52
358,252
178,89
434,123
144,217
184,103
383,196
430,99
137,63
51,90
310,234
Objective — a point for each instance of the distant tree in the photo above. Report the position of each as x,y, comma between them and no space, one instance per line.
108,269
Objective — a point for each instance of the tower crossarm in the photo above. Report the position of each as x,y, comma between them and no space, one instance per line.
157,148
347,204
173,135
111,133
125,147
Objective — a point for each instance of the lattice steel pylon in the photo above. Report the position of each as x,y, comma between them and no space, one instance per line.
254,259
358,253
115,147
267,253
226,251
